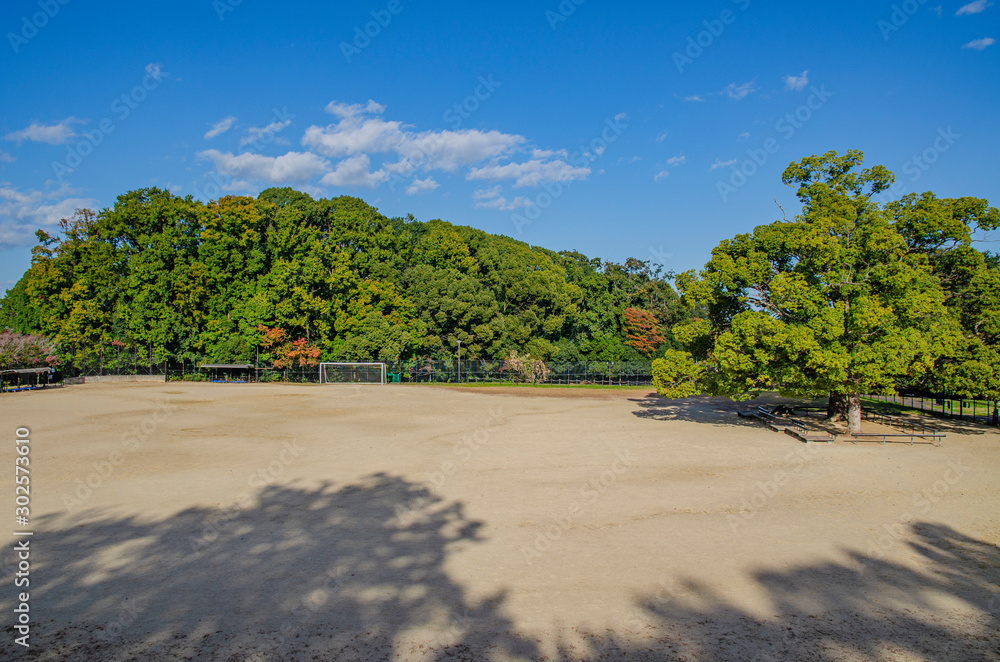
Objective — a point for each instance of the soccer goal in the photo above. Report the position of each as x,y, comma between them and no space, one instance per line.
352,373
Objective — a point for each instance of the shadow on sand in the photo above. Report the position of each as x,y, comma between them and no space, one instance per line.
357,572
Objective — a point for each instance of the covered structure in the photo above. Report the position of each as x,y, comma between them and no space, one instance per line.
24,379
232,373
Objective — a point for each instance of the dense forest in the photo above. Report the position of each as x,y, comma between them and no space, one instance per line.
296,279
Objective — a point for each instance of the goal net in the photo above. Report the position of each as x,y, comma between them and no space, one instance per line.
352,373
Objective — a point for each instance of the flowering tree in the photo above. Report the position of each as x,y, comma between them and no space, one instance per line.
525,365
26,351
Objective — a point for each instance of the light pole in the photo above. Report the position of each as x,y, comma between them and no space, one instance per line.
459,360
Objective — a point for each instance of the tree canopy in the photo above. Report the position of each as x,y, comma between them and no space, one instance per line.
234,277
850,297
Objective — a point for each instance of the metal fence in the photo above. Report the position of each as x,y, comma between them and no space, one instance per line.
414,371
977,410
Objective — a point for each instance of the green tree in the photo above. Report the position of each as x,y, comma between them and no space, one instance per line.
835,302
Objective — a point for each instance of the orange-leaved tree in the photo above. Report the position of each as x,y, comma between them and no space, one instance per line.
642,331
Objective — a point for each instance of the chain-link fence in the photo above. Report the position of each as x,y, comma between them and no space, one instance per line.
415,371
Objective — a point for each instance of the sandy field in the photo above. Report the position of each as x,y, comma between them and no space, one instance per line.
302,522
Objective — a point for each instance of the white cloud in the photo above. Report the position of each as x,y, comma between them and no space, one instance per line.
354,172
734,91
531,173
663,174
980,44
344,110
53,134
21,213
548,153
448,150
5,157
663,136
797,82
421,186
743,137
620,116
220,127
694,97
719,163
973,7
676,160
293,167
256,133
491,199
353,135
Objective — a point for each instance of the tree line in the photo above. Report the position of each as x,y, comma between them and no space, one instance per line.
294,280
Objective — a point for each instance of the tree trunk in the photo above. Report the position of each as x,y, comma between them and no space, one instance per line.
845,407
837,408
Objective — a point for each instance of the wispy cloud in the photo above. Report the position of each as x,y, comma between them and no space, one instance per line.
677,160
743,137
719,163
797,82
663,136
693,97
53,134
255,133
734,91
5,157
23,212
531,173
973,7
491,198
220,127
663,174
980,44
421,186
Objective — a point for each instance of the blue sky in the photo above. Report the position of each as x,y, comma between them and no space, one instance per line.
629,129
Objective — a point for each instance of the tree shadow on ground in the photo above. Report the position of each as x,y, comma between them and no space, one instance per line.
358,573
701,409
866,609
343,573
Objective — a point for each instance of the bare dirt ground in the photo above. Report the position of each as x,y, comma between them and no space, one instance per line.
284,522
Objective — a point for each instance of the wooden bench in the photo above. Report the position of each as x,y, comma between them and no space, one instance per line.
800,430
876,436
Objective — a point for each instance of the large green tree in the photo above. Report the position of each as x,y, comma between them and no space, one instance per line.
839,301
